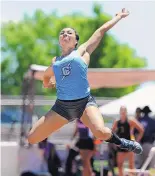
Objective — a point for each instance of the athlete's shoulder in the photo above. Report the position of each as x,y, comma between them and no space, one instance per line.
53,60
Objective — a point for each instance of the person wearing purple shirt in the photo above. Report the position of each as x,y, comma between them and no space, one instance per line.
148,138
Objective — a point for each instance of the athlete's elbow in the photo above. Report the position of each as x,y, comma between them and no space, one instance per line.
99,33
102,30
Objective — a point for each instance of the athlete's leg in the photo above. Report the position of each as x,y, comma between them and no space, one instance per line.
45,126
93,119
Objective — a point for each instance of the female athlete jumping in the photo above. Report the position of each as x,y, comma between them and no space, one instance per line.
74,100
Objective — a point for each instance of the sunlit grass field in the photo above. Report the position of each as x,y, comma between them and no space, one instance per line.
97,165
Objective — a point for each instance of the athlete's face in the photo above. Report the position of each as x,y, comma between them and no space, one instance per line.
67,38
123,113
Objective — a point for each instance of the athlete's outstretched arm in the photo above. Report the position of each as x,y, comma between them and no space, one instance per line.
95,39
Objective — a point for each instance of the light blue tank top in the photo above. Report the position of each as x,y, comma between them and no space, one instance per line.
71,77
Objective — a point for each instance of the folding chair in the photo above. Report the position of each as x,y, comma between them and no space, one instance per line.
143,170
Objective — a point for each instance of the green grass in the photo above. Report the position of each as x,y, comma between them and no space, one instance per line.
105,163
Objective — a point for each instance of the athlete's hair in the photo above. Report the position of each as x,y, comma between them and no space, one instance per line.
77,36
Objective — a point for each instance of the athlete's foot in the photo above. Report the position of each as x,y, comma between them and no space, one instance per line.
131,146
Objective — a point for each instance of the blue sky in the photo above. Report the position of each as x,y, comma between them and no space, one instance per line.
138,30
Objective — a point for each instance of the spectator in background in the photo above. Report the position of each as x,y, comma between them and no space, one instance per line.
149,136
51,157
112,162
72,153
138,113
53,161
85,146
124,128
138,116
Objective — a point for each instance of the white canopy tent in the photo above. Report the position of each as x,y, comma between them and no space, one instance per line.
144,96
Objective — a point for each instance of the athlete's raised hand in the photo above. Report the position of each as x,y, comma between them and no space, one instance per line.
124,13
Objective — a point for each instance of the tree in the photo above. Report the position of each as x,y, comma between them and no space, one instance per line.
34,40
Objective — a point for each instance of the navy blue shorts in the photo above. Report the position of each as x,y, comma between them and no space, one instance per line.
73,109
